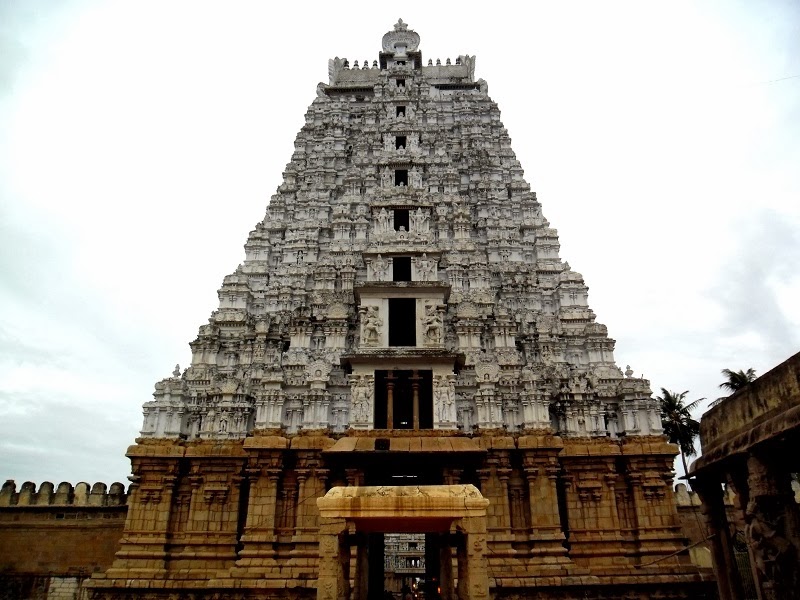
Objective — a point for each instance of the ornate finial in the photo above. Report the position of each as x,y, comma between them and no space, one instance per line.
628,371
401,39
177,371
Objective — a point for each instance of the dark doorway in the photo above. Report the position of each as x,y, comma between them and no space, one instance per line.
375,552
401,268
402,322
401,413
401,177
399,142
400,219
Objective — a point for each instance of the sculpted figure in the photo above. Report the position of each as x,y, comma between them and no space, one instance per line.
386,177
425,268
432,323
419,221
444,398
382,224
362,403
415,178
372,325
379,268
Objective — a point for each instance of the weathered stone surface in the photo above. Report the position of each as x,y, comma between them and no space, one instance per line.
750,443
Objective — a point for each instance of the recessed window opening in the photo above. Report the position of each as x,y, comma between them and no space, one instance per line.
401,177
402,322
401,62
401,111
403,400
400,219
401,268
400,83
400,141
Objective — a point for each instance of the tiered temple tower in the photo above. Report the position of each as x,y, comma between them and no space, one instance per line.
402,318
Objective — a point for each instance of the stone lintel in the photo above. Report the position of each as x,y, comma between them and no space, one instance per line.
407,502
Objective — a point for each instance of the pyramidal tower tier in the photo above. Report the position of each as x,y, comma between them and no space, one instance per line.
403,386
404,277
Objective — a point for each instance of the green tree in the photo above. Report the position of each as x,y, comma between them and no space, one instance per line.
735,380
678,424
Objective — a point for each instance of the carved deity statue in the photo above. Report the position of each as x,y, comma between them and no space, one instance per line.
419,221
426,268
382,224
362,395
432,324
380,268
386,177
415,179
372,325
444,399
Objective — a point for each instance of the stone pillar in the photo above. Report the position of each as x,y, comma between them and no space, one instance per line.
150,504
362,567
264,473
445,566
658,532
334,561
542,469
713,511
415,379
473,575
772,529
390,400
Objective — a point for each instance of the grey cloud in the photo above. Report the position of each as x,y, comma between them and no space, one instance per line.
769,252
61,441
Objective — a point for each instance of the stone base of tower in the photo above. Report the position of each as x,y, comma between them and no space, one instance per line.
241,517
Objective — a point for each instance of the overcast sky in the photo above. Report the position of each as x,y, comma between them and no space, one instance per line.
140,143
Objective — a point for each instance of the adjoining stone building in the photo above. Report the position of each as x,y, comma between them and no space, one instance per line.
402,351
751,448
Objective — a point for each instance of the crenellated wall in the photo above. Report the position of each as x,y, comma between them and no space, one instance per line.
64,495
53,538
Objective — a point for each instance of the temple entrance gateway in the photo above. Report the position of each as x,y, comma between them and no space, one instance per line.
450,515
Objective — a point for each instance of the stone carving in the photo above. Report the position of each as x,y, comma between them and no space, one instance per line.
371,329
487,372
382,224
444,399
513,304
362,393
420,221
318,371
379,268
432,326
425,267
415,179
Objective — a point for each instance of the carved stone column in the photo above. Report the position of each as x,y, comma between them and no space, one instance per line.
150,504
415,379
772,521
542,469
473,576
334,561
390,400
713,511
264,472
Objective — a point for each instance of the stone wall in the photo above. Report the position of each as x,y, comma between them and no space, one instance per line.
52,539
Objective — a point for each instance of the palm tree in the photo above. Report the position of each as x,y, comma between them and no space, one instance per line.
735,381
678,424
